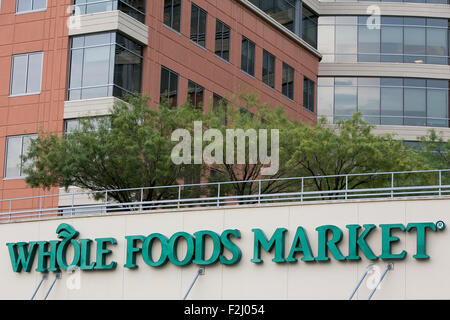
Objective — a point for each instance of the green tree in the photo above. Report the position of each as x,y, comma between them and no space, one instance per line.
436,150
350,147
247,112
130,149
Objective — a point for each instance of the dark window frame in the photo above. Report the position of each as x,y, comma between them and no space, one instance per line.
269,67
309,94
250,48
197,37
222,37
169,96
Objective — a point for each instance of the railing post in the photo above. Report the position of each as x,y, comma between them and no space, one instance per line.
10,207
259,192
73,203
142,198
40,208
440,183
301,193
392,185
218,194
179,196
346,187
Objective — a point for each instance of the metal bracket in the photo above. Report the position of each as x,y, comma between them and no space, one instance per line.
369,267
389,267
200,272
44,277
58,276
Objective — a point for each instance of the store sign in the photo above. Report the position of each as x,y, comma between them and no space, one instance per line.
53,255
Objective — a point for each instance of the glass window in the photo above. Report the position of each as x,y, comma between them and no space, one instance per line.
345,101
437,43
283,11
308,94
16,147
391,106
287,86
414,40
388,101
325,98
309,26
248,56
103,65
198,25
368,43
349,39
26,74
437,111
172,14
346,39
391,40
71,125
219,102
415,107
195,94
169,86
133,8
222,47
268,69
24,6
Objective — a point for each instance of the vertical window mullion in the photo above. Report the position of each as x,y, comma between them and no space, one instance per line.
21,153
27,75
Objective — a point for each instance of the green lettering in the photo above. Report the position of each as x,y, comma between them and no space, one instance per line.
300,244
359,242
421,229
325,244
276,241
387,240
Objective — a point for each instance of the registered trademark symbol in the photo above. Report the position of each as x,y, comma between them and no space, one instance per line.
440,225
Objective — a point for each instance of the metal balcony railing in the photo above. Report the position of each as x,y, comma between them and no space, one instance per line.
385,185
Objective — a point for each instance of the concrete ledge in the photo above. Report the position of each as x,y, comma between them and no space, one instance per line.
377,69
386,9
410,133
111,21
88,107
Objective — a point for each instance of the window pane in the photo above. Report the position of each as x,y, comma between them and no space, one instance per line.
325,102
19,76
195,94
437,45
287,86
392,106
414,45
76,68
415,107
39,4
368,44
34,73
345,102
369,104
346,43
24,5
268,72
13,152
391,44
96,66
437,108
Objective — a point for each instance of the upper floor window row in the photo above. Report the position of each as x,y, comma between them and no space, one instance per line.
410,1
26,6
133,8
349,39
